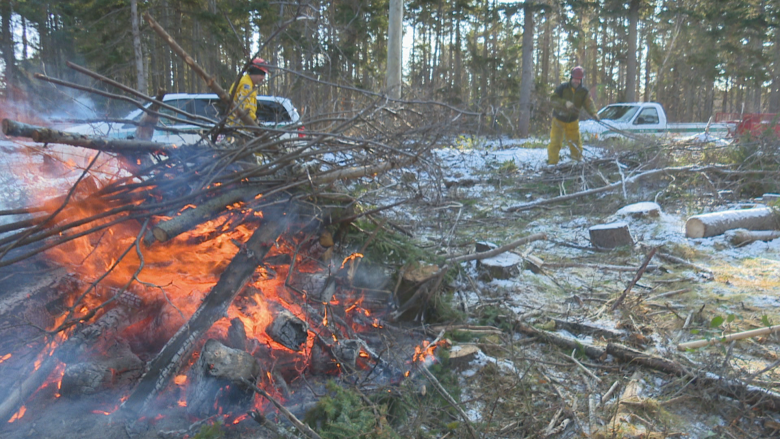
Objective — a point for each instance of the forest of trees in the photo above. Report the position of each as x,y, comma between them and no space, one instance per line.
696,57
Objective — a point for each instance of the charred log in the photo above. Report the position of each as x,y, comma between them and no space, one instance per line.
288,330
115,368
215,377
179,348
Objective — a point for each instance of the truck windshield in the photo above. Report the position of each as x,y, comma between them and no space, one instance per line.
618,113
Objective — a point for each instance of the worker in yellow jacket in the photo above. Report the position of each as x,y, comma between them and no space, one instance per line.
246,95
568,98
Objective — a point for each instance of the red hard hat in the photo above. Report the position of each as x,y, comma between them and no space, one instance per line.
577,73
258,63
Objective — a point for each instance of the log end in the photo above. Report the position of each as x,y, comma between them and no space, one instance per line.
694,228
159,234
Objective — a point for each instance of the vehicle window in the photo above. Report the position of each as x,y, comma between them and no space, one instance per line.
618,113
647,116
204,107
272,111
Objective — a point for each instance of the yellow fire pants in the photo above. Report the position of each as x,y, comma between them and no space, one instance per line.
571,132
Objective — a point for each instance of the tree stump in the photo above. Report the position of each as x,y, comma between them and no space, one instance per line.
716,223
639,210
214,380
611,235
503,266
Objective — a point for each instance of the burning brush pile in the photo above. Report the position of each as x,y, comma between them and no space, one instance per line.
194,282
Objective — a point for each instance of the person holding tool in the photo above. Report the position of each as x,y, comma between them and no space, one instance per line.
568,99
246,94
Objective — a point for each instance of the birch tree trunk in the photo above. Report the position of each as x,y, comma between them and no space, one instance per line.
138,49
527,84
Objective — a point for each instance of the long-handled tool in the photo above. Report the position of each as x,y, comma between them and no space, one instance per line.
617,130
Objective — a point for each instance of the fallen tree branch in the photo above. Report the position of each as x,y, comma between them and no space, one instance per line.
497,251
611,187
638,276
728,338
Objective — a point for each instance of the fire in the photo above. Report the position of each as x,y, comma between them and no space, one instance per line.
240,418
351,257
101,412
180,379
424,353
5,357
18,415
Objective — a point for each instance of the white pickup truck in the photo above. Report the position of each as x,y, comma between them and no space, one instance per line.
643,118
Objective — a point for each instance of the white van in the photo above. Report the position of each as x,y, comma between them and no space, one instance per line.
272,112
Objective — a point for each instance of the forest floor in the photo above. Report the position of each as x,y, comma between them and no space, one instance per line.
515,384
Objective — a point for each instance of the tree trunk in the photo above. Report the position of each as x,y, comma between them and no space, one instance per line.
8,49
138,49
633,19
394,46
527,84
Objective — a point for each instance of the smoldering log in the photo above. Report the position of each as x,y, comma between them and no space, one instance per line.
190,218
318,287
237,334
288,330
216,378
114,368
215,305
112,321
48,135
716,223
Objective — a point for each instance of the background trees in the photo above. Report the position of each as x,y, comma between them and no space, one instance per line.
500,58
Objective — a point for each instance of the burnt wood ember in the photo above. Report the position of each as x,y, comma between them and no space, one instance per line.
288,330
237,334
215,380
215,305
116,367
69,351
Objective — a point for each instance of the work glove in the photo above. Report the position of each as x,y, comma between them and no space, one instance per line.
569,105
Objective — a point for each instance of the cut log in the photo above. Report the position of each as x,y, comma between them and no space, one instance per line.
716,223
214,306
215,380
318,287
190,218
288,330
48,135
739,237
611,235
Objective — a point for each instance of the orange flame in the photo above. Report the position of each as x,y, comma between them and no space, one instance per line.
18,415
5,357
350,258
180,379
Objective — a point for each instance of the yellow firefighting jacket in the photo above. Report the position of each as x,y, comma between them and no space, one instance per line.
246,99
